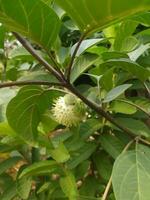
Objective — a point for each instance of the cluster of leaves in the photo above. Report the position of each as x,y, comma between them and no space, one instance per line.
99,51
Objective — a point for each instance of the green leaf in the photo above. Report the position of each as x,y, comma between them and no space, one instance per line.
2,36
115,92
60,154
33,19
136,126
68,186
111,144
5,129
5,165
142,18
23,187
122,107
131,174
92,15
9,193
86,44
24,111
135,69
89,127
103,165
39,168
38,76
83,154
81,65
124,42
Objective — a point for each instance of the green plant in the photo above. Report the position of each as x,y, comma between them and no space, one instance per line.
79,126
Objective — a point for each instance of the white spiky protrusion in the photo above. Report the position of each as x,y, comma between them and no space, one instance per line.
68,110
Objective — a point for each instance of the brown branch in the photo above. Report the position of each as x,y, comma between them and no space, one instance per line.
99,110
30,49
73,57
67,84
21,83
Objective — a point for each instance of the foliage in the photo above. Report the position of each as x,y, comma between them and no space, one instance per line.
79,126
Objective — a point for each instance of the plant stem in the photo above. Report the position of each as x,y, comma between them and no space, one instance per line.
28,46
67,84
21,83
104,197
73,56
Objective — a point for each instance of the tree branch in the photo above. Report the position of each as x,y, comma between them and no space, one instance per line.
30,49
21,83
67,84
73,57
99,110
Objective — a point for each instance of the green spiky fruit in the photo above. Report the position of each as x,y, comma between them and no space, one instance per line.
68,110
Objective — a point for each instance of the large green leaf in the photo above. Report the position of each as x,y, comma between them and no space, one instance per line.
92,15
24,111
131,174
33,19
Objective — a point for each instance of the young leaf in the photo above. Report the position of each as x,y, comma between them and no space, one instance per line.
115,92
60,154
86,44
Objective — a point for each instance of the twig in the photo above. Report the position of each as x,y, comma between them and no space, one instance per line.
99,110
144,141
67,84
21,83
73,56
104,197
55,63
28,46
